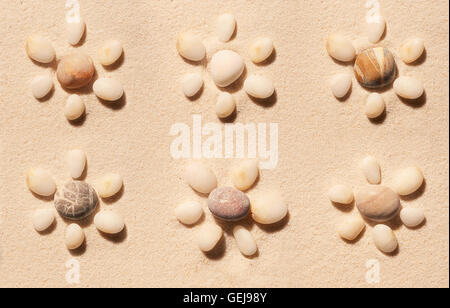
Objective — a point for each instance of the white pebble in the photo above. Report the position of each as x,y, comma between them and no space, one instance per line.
108,89
384,238
76,161
208,236
192,83
371,170
245,241
259,86
226,23
74,107
200,177
268,207
374,105
245,174
74,237
411,50
408,87
340,84
189,212
40,49
41,182
376,30
260,49
75,31
191,47
407,181
108,185
43,219
225,105
110,52
340,48
226,67
342,194
41,85
351,227
109,222
412,217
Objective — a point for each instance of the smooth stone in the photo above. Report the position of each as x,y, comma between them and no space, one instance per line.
226,67
75,70
225,105
40,49
108,89
340,84
384,238
377,203
74,236
259,86
109,222
41,85
108,185
412,217
341,193
340,48
226,24
407,181
189,212
228,203
208,236
371,170
200,177
268,207
375,105
375,68
408,87
376,30
411,50
191,83
76,161
41,182
260,49
76,200
351,227
110,52
75,31
191,47
74,107
245,241
43,219
245,174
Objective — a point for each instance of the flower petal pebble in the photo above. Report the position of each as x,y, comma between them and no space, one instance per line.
384,238
75,31
226,25
225,105
412,217
245,174
108,185
76,161
375,105
108,89
200,177
40,49
341,84
208,236
371,170
41,182
74,107
41,85
260,49
408,87
189,212
268,207
192,83
43,219
109,221
245,241
411,50
341,193
74,236
351,227
110,52
191,47
408,180
340,48
259,86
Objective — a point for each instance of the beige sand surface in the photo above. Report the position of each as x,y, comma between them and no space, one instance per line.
321,142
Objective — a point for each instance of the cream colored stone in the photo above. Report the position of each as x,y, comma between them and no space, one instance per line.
108,89
408,87
375,105
245,174
259,86
75,31
225,105
43,219
108,185
200,177
226,24
351,227
407,180
371,170
340,48
191,47
192,83
268,207
74,236
226,67
74,107
109,221
40,49
41,85
189,212
411,50
76,161
340,84
376,30
208,236
412,217
384,238
341,193
245,241
110,52
41,182
260,49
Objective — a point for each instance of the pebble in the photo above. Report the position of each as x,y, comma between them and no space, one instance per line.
191,47
208,236
226,67
110,52
376,30
260,49
377,203
259,86
189,212
41,85
192,83
75,31
340,48
200,177
109,221
351,227
407,181
225,105
75,70
375,68
76,161
245,241
74,237
411,50
228,203
341,84
76,200
245,174
41,182
40,49
384,238
408,87
412,217
43,219
226,24
74,107
375,105
108,89
108,185
371,170
268,207
342,194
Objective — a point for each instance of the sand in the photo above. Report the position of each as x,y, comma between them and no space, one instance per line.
321,142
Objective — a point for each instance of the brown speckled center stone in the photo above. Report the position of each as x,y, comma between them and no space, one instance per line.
228,203
375,67
377,203
76,200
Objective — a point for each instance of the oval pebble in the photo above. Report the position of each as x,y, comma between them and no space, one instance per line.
108,89
371,170
43,219
41,85
245,241
208,236
110,52
189,212
228,203
109,221
412,217
411,50
351,227
226,67
408,87
200,177
225,105
76,200
226,24
377,203
268,207
375,68
407,181
340,48
74,236
75,31
191,83
384,238
375,105
74,107
40,49
245,174
41,182
259,86
341,193
376,30
75,70
76,161
340,84
260,49
191,47
108,185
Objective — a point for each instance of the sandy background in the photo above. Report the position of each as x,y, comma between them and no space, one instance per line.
321,142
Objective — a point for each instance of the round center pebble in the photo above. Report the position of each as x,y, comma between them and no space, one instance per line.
76,200
377,203
228,203
226,67
375,67
75,70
